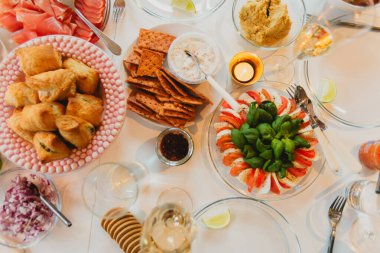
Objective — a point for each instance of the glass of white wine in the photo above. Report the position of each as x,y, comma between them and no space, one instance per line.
333,27
169,227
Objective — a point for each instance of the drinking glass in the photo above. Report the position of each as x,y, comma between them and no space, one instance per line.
365,232
169,227
112,186
333,27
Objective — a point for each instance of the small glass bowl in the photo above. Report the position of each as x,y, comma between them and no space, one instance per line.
6,178
252,59
163,158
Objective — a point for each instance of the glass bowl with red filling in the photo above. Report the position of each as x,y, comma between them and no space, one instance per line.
264,157
174,146
24,219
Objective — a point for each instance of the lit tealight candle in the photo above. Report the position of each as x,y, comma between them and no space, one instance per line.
244,72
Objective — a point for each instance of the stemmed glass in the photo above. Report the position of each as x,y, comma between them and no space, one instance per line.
333,27
169,227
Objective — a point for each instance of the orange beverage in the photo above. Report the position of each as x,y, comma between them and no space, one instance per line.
369,155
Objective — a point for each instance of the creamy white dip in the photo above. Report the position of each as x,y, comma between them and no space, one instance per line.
184,66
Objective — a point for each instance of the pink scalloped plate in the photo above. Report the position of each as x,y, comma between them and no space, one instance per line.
22,152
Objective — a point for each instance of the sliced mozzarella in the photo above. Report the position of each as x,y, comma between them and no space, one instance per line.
243,176
307,134
219,125
226,132
237,161
266,186
231,150
295,112
297,165
306,129
230,111
291,177
287,182
243,108
287,109
276,181
247,98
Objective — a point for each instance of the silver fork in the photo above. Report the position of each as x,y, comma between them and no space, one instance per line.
335,214
118,9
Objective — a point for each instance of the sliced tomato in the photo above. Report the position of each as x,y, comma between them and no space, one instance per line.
300,115
283,185
305,124
303,161
260,178
256,96
266,94
226,127
226,145
226,105
273,186
251,180
243,102
236,169
311,140
231,157
293,106
307,153
223,139
232,120
297,172
243,116
284,104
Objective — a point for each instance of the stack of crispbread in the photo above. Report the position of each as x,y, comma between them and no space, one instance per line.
125,230
157,94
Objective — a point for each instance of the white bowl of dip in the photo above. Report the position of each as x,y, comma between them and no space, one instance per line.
183,66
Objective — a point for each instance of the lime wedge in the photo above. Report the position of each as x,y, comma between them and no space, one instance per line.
185,5
218,221
327,91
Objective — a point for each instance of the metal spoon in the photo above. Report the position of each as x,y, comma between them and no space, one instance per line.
111,45
51,206
230,100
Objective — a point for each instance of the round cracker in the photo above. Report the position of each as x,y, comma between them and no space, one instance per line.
114,221
120,223
133,244
127,234
132,237
126,227
105,221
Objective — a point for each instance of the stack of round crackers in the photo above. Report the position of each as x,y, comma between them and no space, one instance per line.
125,230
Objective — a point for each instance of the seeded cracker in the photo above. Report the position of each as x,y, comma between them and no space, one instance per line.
145,81
134,58
130,68
150,62
154,40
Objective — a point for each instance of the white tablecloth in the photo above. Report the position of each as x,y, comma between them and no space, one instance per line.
306,212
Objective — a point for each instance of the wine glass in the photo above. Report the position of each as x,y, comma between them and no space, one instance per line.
334,26
365,234
112,186
169,227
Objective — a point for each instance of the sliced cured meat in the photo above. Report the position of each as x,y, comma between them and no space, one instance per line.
30,18
8,21
61,11
83,33
45,5
7,4
52,26
93,17
23,36
92,4
29,5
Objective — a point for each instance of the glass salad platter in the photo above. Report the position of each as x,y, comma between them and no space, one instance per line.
238,182
253,226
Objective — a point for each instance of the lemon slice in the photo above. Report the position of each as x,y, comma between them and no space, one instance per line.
185,5
327,91
218,221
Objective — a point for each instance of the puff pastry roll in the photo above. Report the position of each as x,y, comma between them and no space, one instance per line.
14,123
19,95
87,78
86,107
41,117
55,85
75,130
38,59
49,147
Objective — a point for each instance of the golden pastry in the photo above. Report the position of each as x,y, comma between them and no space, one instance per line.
55,85
38,59
14,123
49,147
87,107
87,78
75,130
19,95
41,117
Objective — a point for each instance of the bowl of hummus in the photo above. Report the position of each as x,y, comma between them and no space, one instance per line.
199,45
269,24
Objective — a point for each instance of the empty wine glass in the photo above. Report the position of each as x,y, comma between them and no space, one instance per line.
333,27
169,227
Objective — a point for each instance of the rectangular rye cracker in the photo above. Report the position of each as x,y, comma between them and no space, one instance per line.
146,114
133,57
154,40
174,84
145,81
150,62
166,85
152,90
149,101
130,68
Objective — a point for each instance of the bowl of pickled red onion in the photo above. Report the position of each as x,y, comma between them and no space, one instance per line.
24,219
